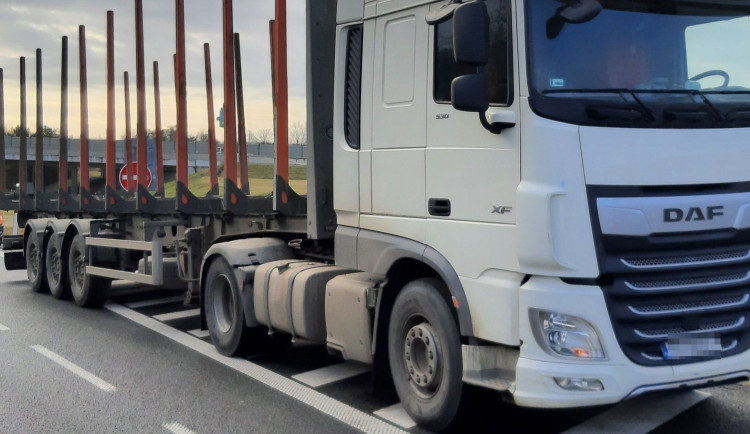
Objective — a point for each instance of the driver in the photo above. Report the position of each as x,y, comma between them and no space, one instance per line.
626,65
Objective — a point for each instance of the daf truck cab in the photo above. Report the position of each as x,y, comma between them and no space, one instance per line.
557,190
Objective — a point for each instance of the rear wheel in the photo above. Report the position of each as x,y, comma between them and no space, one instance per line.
226,319
424,350
35,268
55,271
87,290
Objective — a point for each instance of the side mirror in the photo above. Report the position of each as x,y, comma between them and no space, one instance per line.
470,93
471,34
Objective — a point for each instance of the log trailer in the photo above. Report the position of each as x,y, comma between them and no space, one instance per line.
583,240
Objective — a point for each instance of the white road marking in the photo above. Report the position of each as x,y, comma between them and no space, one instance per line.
325,404
70,366
396,414
157,302
178,315
198,333
331,374
653,411
3,328
177,428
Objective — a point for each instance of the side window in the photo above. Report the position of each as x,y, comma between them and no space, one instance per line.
353,90
500,63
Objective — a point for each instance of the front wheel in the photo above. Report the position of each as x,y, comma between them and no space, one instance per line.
424,350
87,290
35,268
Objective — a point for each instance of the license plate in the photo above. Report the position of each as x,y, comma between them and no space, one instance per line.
691,347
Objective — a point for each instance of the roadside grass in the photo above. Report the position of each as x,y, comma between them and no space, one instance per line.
260,176
8,226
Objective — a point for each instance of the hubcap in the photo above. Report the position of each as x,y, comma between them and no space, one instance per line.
422,356
79,265
55,265
223,302
34,263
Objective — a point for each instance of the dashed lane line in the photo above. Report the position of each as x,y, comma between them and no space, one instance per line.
653,411
157,302
178,315
331,374
3,328
336,409
198,333
72,367
177,428
397,414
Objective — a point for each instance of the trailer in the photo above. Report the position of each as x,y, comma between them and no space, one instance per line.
545,198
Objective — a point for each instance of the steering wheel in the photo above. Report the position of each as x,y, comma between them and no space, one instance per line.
711,73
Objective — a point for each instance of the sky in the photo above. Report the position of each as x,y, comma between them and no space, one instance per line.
31,24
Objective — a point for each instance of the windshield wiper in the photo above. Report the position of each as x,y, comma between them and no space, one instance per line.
673,114
605,112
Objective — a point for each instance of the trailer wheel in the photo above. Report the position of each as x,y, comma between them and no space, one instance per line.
87,290
55,271
35,268
424,350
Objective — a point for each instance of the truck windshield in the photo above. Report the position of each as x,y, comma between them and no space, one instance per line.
639,63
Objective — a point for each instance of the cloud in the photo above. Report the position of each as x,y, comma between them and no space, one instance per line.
31,24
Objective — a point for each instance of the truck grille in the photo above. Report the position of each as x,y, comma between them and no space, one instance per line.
650,305
675,285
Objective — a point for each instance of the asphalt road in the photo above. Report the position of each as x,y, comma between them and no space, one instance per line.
135,367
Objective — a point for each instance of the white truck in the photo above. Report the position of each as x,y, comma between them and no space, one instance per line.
549,198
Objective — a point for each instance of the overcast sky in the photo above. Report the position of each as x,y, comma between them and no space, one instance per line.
31,24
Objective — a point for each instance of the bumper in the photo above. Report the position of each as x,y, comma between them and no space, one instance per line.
536,369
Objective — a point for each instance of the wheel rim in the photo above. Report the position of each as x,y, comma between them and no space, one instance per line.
79,268
55,266
34,257
224,303
422,357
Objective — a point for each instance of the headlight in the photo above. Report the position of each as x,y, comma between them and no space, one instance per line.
566,335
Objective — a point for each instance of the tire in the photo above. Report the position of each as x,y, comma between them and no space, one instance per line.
87,290
421,324
35,268
55,270
226,319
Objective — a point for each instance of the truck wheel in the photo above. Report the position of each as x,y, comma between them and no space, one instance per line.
224,315
55,271
87,290
424,350
226,319
35,268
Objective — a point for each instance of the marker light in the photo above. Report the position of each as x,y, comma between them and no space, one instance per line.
567,335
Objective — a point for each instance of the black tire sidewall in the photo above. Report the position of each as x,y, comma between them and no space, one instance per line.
94,291
56,288
39,282
227,343
422,297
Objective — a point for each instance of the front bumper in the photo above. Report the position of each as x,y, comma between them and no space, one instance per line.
536,369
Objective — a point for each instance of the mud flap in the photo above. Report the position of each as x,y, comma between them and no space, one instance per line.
14,260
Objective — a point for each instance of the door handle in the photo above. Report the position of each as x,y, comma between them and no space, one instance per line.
439,207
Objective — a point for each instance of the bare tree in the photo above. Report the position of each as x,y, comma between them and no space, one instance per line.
298,133
17,131
252,139
264,135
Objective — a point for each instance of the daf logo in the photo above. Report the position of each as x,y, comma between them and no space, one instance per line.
696,214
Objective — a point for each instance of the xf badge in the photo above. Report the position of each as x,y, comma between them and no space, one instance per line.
502,210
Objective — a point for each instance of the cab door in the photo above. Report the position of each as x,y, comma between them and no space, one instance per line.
472,174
